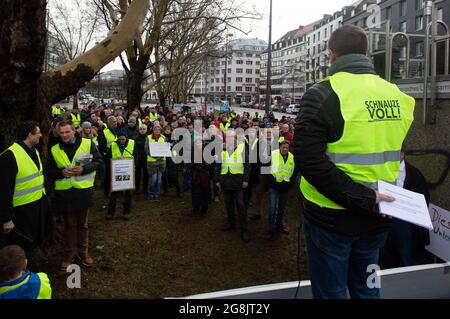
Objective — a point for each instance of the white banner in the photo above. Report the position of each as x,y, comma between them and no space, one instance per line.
122,174
440,235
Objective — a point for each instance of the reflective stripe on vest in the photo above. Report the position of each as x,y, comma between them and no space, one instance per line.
377,118
109,136
76,119
128,152
282,171
234,163
29,184
62,161
151,140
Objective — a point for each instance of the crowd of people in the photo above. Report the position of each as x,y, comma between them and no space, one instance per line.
328,150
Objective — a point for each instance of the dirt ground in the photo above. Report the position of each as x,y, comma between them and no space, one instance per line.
167,251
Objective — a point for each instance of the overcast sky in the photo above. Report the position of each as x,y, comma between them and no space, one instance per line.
287,15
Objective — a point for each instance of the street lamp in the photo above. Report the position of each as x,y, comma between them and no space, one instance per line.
269,64
226,65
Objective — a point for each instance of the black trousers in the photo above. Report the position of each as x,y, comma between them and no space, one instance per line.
141,174
113,202
236,199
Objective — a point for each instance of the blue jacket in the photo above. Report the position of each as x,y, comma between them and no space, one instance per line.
28,286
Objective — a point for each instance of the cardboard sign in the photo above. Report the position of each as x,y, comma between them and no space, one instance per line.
122,174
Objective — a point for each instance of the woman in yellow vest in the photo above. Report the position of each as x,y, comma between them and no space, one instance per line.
23,203
73,163
282,170
348,136
123,147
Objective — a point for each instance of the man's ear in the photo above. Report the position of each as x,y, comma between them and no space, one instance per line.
25,263
332,55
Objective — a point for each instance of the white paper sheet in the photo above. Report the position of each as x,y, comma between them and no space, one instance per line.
408,206
160,149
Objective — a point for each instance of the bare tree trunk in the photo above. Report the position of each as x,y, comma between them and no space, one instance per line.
134,89
22,50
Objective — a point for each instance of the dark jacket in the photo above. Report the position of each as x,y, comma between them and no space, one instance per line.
73,200
318,123
139,146
234,182
416,182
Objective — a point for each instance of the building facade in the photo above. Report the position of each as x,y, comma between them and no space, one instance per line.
288,67
235,79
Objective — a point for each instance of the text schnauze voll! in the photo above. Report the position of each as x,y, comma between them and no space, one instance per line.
383,110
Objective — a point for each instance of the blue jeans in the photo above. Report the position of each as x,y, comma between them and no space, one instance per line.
276,220
337,262
155,172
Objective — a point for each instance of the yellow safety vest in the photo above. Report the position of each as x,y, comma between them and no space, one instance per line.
57,111
62,162
281,170
109,136
224,128
281,139
234,163
76,119
153,117
29,185
128,152
377,118
151,140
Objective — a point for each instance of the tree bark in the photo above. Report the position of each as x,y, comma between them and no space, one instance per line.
26,92
134,89
22,50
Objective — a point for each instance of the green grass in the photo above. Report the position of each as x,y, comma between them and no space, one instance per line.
167,251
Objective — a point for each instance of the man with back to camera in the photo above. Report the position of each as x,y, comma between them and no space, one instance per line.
348,135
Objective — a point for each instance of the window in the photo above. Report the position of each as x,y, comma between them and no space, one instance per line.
217,71
419,23
238,80
403,27
331,29
239,71
223,62
403,8
217,88
248,89
440,14
211,88
249,55
238,88
258,63
388,13
218,80
249,71
218,64
419,49
212,73
229,71
314,38
229,79
326,31
239,62
419,4
248,80
249,63
256,71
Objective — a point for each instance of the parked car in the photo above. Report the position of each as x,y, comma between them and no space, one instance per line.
244,104
292,109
